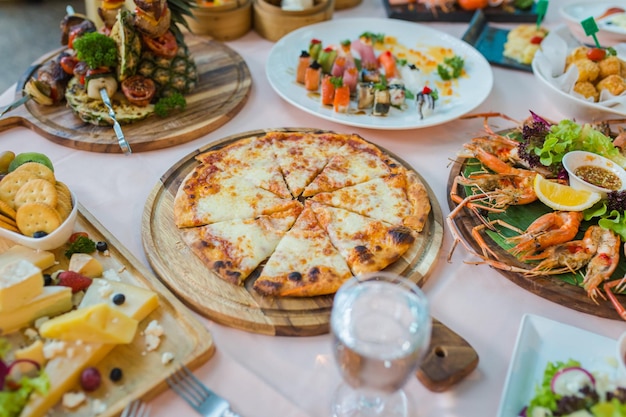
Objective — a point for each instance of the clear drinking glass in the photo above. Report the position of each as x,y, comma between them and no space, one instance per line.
381,327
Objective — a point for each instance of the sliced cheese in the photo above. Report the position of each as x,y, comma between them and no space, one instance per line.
33,352
52,301
86,265
20,282
99,323
63,371
40,258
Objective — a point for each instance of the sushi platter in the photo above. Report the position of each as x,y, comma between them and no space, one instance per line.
419,12
416,54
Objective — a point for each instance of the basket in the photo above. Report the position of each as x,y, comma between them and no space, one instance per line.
226,22
272,22
346,4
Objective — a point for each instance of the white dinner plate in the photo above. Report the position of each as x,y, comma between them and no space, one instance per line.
541,340
468,91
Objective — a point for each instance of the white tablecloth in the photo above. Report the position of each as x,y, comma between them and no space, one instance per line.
266,376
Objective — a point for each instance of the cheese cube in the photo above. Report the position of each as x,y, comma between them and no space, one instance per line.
86,265
99,323
40,258
20,282
139,302
52,301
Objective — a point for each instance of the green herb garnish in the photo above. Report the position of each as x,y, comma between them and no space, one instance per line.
82,244
374,37
96,49
166,105
451,68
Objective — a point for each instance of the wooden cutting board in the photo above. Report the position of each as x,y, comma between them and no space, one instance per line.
550,288
223,87
143,373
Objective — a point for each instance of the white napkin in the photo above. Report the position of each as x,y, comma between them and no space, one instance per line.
550,62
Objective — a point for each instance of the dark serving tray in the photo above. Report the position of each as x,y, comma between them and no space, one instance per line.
490,41
418,12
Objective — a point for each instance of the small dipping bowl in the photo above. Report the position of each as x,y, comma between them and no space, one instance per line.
574,160
621,355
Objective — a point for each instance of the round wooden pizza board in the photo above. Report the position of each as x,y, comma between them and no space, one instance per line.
223,87
550,288
241,307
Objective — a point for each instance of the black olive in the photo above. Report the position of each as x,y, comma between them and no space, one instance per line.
116,374
47,279
101,246
39,234
118,299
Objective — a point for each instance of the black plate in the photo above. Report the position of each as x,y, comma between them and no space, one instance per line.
418,12
490,41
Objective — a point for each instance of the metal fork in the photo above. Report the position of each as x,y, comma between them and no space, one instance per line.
198,396
136,408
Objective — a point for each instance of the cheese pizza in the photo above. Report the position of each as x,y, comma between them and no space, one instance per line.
298,213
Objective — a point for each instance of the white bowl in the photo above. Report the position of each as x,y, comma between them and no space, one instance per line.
621,354
49,242
576,159
608,34
567,104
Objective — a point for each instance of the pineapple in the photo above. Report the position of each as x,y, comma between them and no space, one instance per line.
128,45
177,74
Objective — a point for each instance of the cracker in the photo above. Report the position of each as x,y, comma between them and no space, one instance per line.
64,200
9,226
6,210
36,190
11,184
37,170
7,220
35,217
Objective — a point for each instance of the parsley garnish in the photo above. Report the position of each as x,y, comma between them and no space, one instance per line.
452,69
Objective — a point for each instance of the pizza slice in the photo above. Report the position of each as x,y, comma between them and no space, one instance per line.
208,195
385,199
251,159
233,249
368,245
356,162
304,263
302,155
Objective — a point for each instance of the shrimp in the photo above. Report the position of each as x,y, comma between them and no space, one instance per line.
548,230
603,262
495,190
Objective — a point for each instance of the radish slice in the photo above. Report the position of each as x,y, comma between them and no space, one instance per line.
569,381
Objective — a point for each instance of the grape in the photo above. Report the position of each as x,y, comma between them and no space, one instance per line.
6,158
90,379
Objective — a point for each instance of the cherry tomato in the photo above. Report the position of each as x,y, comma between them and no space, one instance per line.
139,90
473,4
68,63
536,40
164,45
80,69
76,235
596,54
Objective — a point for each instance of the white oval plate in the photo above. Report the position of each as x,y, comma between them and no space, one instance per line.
468,91
608,34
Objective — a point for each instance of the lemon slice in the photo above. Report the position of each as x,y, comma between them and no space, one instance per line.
563,197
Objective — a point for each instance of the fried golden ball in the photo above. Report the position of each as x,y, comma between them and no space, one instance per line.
610,66
587,89
613,83
587,69
578,53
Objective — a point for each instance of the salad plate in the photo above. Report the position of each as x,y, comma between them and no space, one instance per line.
541,340
461,95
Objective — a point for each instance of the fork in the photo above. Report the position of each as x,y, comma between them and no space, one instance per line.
198,396
136,408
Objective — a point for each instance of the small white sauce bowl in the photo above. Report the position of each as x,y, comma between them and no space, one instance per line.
575,159
620,351
52,241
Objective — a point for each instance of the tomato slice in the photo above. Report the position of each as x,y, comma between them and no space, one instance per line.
164,45
139,90
76,235
596,54
536,40
68,63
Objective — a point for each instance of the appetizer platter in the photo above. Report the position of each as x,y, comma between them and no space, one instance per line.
57,359
402,76
461,10
165,88
508,201
570,357
227,286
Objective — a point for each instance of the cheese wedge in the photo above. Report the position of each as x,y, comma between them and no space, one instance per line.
40,258
99,323
33,352
86,265
52,301
20,282
64,372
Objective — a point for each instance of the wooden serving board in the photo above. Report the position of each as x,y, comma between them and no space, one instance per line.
242,307
223,87
143,373
550,288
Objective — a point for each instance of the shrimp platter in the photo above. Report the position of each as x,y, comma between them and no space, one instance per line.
511,207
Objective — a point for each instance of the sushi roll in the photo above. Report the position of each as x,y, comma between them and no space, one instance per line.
425,102
328,90
412,78
351,78
315,47
341,103
312,76
370,75
364,48
396,92
365,95
327,59
388,63
382,102
339,66
303,63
